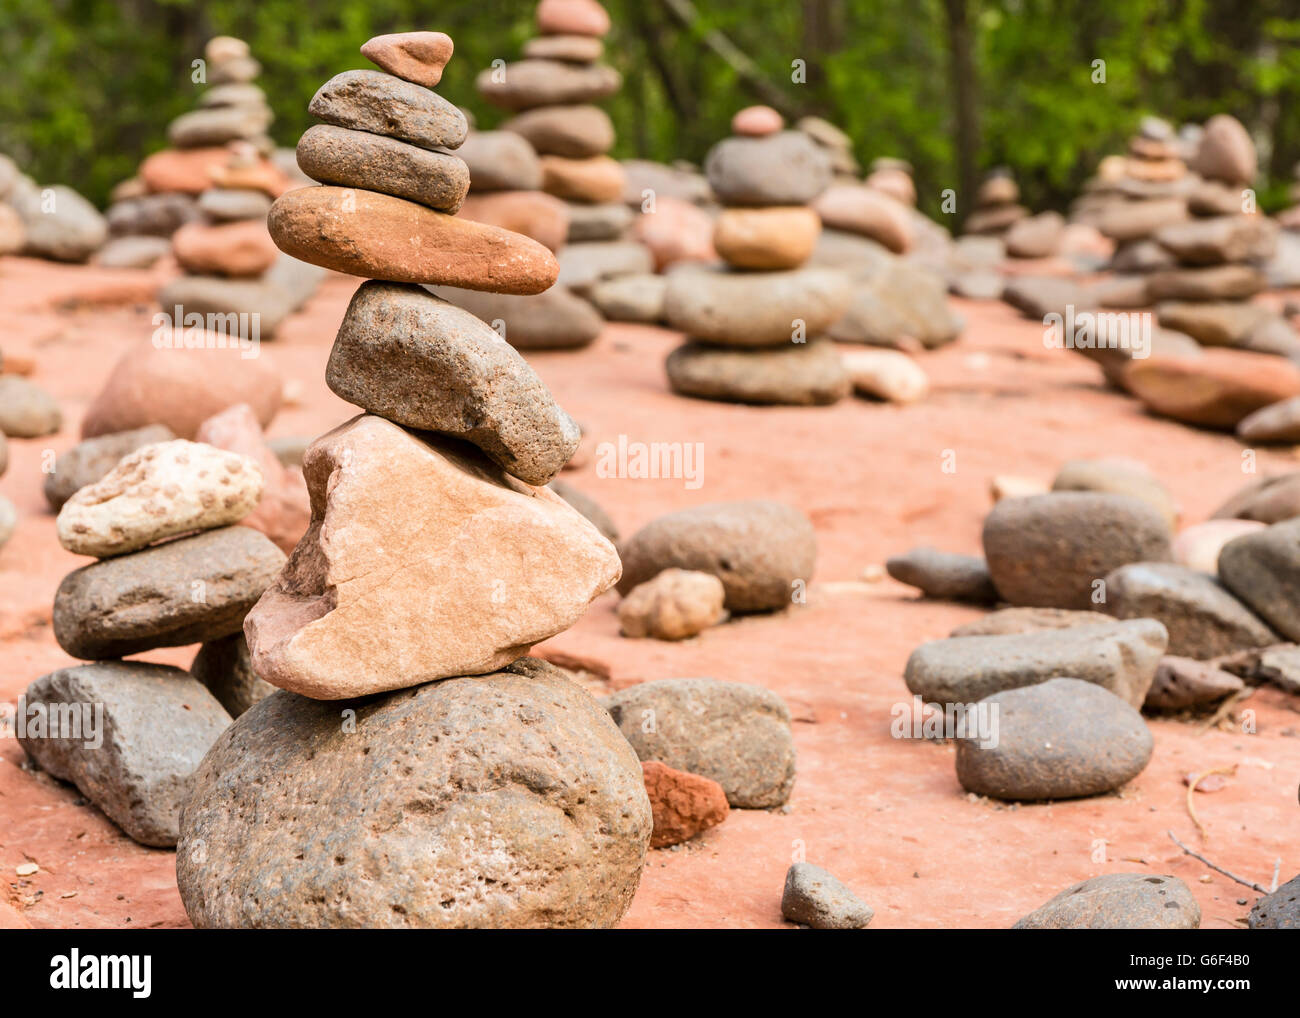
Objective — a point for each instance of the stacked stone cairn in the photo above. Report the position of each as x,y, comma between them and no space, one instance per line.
547,173
167,192
755,328
173,569
415,768
997,206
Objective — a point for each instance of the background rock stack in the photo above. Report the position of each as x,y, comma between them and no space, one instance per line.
997,206
173,570
165,194
755,328
472,786
557,145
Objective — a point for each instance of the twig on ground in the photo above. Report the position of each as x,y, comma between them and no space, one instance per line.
1225,708
1218,869
1191,792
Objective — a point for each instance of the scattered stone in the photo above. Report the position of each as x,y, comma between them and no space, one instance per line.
684,805
499,801
1117,476
190,590
133,252
607,221
180,390
153,215
902,306
493,565
1119,901
674,605
762,551
944,575
1277,422
378,236
425,363
556,320
812,897
226,669
582,266
1203,620
676,233
634,298
1051,551
1263,570
60,224
1217,390
1279,910
1267,500
1198,546
733,733
154,725
1060,739
886,374
868,212
1182,682
1006,621
27,410
91,460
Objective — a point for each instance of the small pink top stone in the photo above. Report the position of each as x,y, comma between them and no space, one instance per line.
757,121
417,57
572,17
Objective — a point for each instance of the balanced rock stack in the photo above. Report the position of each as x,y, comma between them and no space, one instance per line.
495,791
555,149
997,206
755,328
173,570
166,193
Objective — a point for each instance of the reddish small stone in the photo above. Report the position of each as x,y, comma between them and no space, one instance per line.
676,231
572,17
238,249
684,805
757,121
535,214
188,170
415,56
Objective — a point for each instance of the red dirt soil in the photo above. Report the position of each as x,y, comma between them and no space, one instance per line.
885,815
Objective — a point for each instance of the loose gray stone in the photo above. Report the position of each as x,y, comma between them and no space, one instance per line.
226,669
763,552
494,801
734,733
1266,500
787,168
1117,476
1263,570
1277,422
232,204
902,306
1118,656
636,298
27,410
217,125
1182,682
423,363
218,295
1005,621
1060,739
555,320
944,575
359,159
589,508
154,215
500,161
154,722
133,252
813,897
1220,282
1202,618
91,460
1050,551
597,222
584,265
1279,910
191,590
382,104
1219,240
1119,901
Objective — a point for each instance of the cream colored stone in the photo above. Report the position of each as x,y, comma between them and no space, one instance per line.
156,492
423,560
887,375
676,604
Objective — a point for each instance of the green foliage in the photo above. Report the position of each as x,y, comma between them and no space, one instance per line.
87,87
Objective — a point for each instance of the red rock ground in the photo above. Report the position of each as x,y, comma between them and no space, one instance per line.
885,815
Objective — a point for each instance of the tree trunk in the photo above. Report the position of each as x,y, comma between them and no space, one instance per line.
961,64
